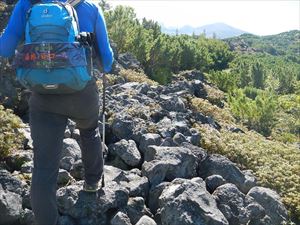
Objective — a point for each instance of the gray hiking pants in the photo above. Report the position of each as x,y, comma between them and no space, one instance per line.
48,120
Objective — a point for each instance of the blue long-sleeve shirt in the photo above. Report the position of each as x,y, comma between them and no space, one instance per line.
90,18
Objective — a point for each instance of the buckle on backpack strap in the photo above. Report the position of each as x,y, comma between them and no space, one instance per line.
50,86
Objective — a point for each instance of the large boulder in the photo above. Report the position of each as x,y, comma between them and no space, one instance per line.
146,220
149,139
89,208
136,209
270,201
127,151
10,207
186,202
71,148
122,127
232,204
133,181
11,183
172,103
168,163
120,218
220,165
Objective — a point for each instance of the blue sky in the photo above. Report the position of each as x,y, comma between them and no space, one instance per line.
257,17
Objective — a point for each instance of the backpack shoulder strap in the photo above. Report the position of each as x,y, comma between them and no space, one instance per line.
74,3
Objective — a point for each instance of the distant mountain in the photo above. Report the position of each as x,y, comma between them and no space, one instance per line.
219,30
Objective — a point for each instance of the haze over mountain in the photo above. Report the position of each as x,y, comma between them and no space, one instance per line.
219,30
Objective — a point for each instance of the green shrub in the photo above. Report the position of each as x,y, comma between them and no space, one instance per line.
224,80
222,115
134,76
10,137
257,114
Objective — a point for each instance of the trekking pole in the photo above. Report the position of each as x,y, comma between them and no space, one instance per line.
103,123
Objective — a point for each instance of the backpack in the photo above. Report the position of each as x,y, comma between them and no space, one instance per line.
52,61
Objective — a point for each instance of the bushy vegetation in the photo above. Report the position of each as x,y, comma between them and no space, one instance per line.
135,76
10,138
257,113
161,54
208,109
275,164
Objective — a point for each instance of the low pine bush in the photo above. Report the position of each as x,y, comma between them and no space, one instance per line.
10,138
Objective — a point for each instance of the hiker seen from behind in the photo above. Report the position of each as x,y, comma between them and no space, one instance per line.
55,63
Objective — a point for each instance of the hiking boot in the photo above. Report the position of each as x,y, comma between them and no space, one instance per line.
90,187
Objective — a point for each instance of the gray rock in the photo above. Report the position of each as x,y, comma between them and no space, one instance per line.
122,128
18,158
67,133
256,212
166,127
185,202
232,204
10,207
178,88
143,88
28,143
213,123
27,217
132,180
27,167
172,103
64,177
193,75
220,165
147,140
127,151
136,208
199,89
76,135
71,148
200,153
77,170
146,220
195,137
67,197
154,194
89,208
26,204
120,219
116,161
214,181
11,183
270,201
137,185
179,138
67,162
250,178
180,124
156,171
168,163
168,142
